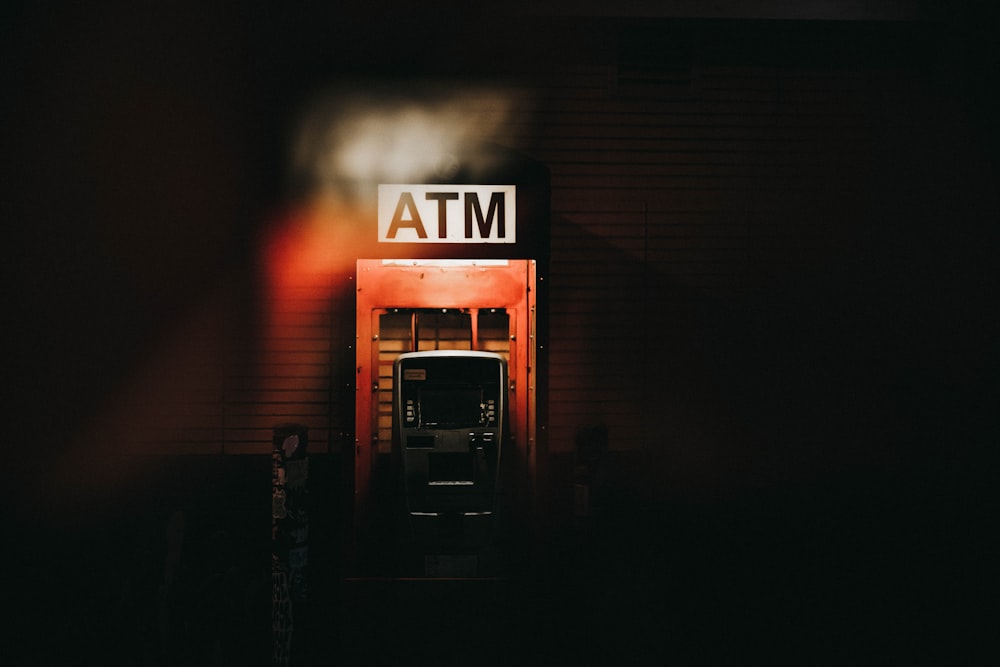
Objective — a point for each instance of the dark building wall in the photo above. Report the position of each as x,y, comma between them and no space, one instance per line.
772,267
749,246
763,236
750,219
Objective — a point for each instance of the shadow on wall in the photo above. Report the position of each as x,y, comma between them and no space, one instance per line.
862,360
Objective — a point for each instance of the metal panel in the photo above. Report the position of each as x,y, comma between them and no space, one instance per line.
476,300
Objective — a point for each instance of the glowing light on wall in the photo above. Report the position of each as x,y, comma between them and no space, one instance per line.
345,143
445,262
350,142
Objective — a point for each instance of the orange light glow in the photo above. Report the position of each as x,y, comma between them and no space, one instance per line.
350,141
347,142
312,244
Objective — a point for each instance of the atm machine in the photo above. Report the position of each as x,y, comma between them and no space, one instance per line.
449,369
450,420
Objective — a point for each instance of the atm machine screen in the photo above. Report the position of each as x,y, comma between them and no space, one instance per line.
450,406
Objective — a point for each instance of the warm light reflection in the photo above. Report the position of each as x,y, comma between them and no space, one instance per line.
312,244
350,142
445,262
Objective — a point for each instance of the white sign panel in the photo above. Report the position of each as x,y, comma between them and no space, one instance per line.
447,214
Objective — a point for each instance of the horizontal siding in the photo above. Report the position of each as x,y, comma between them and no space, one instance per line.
663,198
660,203
298,368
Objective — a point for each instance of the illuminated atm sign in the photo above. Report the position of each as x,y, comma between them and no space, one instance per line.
447,214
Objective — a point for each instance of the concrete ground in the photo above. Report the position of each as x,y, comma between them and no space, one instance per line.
871,569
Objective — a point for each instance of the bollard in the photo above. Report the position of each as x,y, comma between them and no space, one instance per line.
289,537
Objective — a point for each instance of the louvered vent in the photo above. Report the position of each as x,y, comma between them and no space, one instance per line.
652,63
